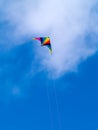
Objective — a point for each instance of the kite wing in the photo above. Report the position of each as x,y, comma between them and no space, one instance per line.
45,41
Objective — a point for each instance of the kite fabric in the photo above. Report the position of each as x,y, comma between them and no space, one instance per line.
45,41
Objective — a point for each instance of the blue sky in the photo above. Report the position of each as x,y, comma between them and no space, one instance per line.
43,91
76,95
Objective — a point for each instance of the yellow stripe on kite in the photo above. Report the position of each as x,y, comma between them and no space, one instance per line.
47,40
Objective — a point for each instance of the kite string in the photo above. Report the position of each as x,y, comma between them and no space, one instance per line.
57,106
50,107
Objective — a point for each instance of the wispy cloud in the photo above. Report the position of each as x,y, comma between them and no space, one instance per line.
71,25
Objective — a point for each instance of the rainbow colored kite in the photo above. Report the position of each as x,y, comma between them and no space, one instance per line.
45,41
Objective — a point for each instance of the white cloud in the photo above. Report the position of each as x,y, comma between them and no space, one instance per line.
67,22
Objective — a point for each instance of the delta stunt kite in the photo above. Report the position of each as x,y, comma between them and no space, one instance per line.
45,41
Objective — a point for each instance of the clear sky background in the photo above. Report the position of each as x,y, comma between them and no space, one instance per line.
39,91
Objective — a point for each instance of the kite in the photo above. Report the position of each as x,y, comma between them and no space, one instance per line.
45,41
